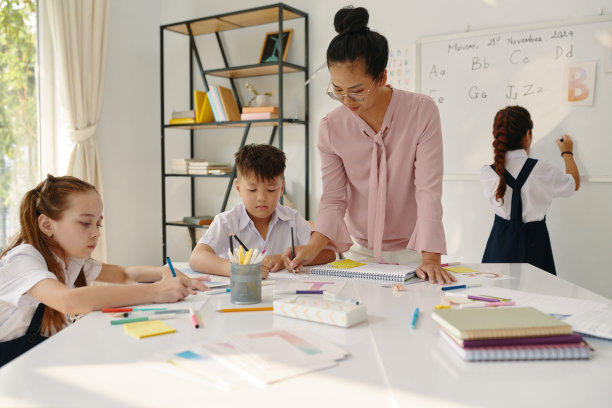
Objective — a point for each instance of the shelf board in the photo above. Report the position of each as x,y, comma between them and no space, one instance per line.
231,21
254,70
240,124
185,224
224,175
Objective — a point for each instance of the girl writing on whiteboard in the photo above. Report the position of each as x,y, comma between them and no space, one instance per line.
521,189
46,272
381,161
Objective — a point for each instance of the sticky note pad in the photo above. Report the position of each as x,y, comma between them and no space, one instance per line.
460,269
147,329
346,264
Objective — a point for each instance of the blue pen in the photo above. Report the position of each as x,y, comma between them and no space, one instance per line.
415,317
170,265
468,285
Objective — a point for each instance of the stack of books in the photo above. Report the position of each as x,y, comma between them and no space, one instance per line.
178,166
259,112
199,166
509,333
182,117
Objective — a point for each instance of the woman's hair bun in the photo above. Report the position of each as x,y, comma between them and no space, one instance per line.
351,20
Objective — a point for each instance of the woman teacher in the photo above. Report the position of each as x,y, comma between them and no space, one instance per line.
381,161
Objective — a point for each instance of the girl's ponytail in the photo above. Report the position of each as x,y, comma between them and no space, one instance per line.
510,126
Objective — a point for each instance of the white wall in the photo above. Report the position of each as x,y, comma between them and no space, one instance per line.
129,134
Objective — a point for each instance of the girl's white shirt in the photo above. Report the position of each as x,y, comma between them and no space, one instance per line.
20,269
545,183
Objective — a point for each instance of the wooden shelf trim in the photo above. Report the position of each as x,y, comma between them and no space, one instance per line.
231,21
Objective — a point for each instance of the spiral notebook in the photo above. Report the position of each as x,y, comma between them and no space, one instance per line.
373,271
569,351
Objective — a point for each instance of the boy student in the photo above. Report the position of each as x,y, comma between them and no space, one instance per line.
259,222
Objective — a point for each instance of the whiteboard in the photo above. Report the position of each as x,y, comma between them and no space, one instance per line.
472,75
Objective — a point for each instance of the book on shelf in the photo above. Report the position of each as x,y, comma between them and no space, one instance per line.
178,166
260,109
553,351
183,114
228,104
215,104
499,322
203,110
198,219
258,116
199,166
181,121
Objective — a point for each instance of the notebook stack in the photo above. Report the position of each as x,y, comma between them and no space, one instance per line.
198,166
510,333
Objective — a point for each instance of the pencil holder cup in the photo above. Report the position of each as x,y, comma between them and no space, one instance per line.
245,284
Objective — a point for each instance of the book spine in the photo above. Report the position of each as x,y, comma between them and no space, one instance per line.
213,105
218,105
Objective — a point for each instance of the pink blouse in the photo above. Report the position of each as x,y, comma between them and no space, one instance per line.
384,189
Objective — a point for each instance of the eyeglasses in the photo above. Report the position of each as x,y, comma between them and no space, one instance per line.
354,97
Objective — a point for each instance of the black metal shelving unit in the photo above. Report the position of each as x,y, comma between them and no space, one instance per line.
214,25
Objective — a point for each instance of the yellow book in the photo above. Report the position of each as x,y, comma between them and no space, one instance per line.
203,111
181,121
147,328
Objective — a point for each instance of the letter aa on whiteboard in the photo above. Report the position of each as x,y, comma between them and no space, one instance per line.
580,83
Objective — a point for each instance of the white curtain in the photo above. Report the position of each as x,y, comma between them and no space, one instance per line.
78,30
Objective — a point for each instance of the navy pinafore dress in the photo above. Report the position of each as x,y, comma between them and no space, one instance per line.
14,348
513,241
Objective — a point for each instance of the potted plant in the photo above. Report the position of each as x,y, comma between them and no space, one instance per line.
260,99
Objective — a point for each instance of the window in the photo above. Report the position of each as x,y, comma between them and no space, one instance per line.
19,162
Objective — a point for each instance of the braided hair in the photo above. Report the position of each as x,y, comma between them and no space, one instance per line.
510,126
355,41
52,198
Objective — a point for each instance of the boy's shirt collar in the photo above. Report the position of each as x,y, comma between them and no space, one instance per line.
280,213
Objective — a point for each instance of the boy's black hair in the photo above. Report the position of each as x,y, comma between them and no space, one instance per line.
355,41
264,161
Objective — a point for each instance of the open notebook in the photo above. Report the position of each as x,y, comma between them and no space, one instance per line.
374,271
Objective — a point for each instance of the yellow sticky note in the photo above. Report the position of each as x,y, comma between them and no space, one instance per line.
346,264
460,269
147,328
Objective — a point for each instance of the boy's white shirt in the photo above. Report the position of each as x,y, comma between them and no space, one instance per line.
545,183
20,269
240,224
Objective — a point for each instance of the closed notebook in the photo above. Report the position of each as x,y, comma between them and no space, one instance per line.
570,351
147,328
502,322
374,271
516,341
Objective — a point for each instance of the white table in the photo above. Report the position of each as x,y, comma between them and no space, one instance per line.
94,364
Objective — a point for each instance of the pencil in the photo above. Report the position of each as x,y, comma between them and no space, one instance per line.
292,248
231,242
171,267
246,309
241,243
